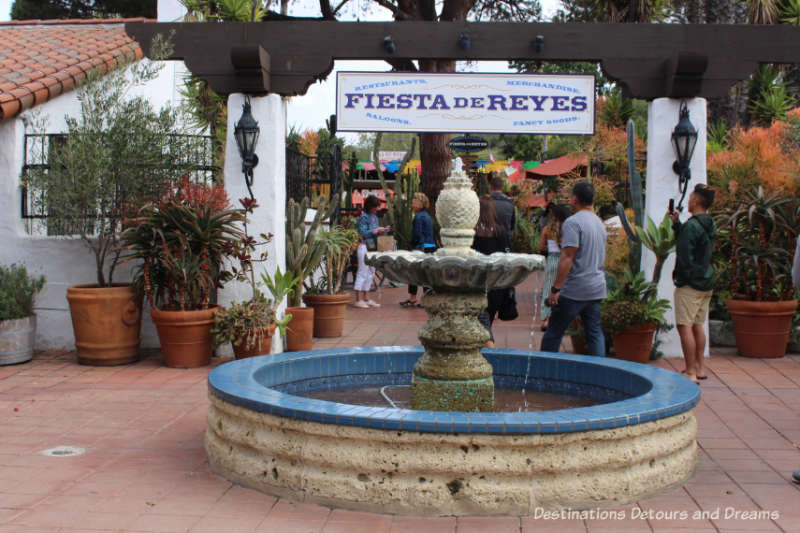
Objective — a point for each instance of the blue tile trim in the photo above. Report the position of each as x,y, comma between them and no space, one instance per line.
637,393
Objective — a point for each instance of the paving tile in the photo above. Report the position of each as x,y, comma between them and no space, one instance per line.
366,526
284,525
531,524
160,523
289,510
411,524
482,525
246,523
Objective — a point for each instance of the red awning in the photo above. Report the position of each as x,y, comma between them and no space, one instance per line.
560,165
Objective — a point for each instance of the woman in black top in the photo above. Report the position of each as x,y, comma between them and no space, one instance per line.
490,237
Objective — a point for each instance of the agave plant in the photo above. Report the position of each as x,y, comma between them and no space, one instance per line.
658,239
338,244
761,243
635,302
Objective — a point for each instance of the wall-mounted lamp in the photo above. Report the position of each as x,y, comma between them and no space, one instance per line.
538,44
464,42
388,44
684,139
246,134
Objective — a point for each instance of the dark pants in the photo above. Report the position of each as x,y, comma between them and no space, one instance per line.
412,289
486,318
563,315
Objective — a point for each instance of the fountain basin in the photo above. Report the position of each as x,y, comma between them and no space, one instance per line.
456,273
261,434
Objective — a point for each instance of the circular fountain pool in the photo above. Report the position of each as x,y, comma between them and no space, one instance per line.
637,440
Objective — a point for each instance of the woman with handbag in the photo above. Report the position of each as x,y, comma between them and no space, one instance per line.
369,230
550,245
490,237
421,239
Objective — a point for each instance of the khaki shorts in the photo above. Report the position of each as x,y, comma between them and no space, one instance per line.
691,305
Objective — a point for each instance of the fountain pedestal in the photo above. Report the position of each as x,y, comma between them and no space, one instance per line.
452,375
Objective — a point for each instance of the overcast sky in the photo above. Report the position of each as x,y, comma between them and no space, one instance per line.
311,110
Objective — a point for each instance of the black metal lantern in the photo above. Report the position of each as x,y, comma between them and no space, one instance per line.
684,139
246,133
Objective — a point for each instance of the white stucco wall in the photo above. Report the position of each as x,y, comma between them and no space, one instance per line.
662,184
170,11
269,188
64,261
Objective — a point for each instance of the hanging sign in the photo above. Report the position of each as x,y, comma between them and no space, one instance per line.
468,143
554,104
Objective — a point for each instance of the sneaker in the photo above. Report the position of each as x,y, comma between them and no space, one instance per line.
361,304
372,303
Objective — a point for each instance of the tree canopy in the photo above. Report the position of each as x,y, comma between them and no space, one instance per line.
82,9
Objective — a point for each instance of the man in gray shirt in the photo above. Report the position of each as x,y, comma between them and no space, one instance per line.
580,284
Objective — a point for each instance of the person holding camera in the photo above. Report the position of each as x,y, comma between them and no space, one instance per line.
693,277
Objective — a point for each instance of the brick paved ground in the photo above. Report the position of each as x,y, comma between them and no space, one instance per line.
144,468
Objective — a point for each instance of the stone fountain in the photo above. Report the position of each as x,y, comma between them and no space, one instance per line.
452,375
450,455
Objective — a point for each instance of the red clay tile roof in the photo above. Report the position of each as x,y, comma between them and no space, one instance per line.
559,165
40,59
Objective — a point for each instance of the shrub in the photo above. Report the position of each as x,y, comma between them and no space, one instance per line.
17,290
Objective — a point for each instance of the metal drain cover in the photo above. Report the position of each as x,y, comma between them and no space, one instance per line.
63,451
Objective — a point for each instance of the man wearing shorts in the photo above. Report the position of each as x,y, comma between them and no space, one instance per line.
693,277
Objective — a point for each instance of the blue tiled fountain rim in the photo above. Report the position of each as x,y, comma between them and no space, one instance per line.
655,393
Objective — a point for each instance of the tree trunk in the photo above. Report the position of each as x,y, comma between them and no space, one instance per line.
433,149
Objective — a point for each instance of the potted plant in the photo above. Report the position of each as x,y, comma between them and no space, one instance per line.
761,236
631,314
304,252
182,241
17,320
326,295
249,325
117,154
658,239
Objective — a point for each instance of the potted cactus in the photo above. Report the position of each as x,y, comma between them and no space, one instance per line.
304,253
759,236
17,320
325,295
631,315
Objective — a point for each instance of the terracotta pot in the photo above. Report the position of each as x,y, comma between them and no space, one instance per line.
17,337
261,347
106,323
578,344
299,334
762,328
185,336
634,343
328,313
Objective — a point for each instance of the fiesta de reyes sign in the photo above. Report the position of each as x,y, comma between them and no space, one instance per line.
560,104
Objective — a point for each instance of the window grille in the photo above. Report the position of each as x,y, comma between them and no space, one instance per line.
39,216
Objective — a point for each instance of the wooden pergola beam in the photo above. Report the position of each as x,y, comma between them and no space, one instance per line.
647,60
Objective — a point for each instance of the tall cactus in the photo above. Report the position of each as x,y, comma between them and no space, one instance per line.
401,215
304,251
635,181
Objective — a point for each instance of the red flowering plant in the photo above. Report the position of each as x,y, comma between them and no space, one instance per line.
182,241
244,323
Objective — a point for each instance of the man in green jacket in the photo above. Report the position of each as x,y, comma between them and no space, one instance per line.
693,276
